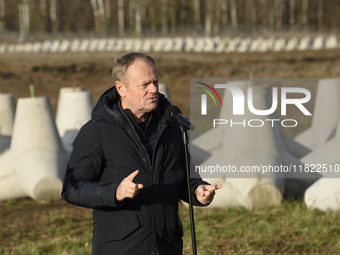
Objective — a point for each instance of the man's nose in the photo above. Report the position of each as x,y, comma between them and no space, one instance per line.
153,88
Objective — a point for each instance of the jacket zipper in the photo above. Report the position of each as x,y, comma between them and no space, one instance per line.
151,168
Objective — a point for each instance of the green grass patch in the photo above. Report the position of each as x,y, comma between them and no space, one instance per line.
29,227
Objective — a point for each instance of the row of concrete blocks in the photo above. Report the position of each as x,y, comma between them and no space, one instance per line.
245,146
35,146
177,44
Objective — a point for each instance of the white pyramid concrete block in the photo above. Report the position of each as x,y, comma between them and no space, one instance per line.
148,44
325,115
3,48
233,44
189,44
324,195
55,46
159,45
110,44
168,44
128,44
178,44
7,112
65,45
119,44
84,45
325,153
292,44
209,45
138,45
248,146
39,157
75,45
10,187
318,43
305,43
102,44
74,110
163,88
93,45
245,45
256,44
222,44
36,47
46,46
27,48
279,44
331,42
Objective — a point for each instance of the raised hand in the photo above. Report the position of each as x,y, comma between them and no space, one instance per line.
127,188
205,193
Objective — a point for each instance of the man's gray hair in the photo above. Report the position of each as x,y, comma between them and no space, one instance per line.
124,61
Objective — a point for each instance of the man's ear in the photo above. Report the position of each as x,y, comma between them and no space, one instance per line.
120,88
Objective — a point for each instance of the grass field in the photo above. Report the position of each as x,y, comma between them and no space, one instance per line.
60,228
30,227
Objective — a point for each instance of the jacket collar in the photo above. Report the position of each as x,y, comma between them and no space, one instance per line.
107,108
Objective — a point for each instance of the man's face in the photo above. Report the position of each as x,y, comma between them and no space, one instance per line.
139,92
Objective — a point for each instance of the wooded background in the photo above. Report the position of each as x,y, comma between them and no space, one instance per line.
43,18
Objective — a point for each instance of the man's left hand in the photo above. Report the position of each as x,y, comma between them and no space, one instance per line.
205,193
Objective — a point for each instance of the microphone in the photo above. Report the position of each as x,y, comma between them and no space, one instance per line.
173,113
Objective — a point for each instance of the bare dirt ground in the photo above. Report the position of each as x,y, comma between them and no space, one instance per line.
51,71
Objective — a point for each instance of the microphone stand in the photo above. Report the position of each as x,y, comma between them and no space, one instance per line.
191,210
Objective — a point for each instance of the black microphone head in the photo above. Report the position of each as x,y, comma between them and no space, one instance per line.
169,111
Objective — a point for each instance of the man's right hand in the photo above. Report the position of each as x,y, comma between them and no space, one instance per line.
127,188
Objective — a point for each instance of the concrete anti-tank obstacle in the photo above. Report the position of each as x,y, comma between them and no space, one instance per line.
74,110
248,146
331,42
36,149
325,115
7,112
163,88
318,43
326,153
324,195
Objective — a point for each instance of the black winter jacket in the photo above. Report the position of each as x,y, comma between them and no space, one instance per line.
108,149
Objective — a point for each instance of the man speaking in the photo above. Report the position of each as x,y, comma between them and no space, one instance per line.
128,165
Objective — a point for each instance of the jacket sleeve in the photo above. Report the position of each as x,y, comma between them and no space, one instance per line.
81,184
195,179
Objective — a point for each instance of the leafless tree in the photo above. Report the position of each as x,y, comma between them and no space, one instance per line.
24,19
304,14
172,14
208,17
2,15
43,15
121,17
197,12
53,15
233,14
165,5
291,13
151,9
107,14
320,14
253,12
217,15
279,10
99,15
224,9
138,19
264,12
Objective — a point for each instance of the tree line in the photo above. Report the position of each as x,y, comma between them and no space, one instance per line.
166,17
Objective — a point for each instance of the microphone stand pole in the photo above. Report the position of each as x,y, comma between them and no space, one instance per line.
190,193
